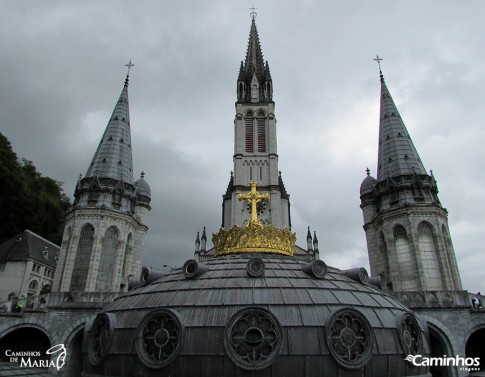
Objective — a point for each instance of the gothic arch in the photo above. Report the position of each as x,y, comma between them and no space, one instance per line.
406,260
429,257
249,114
83,258
442,342
107,260
384,258
127,259
25,337
474,343
73,338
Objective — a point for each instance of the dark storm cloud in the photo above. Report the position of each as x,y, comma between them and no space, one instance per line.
62,72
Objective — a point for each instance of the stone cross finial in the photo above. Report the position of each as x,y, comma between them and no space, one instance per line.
129,65
254,197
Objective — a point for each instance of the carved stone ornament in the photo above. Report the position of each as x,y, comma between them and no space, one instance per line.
409,334
349,338
253,338
159,338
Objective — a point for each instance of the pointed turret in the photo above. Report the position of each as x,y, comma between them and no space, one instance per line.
197,244
397,154
113,157
309,240
315,242
405,224
106,226
254,79
203,242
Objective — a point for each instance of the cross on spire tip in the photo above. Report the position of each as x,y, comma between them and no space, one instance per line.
378,60
253,14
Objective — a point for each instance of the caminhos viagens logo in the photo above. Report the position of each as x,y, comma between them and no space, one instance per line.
464,363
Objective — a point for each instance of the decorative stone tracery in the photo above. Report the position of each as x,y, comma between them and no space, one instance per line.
409,334
349,338
253,338
159,338
99,338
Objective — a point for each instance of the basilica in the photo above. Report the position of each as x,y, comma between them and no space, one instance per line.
254,304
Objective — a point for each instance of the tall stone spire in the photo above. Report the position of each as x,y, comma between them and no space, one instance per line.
254,80
255,145
397,154
113,158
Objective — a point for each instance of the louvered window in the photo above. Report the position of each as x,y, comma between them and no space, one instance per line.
249,132
261,133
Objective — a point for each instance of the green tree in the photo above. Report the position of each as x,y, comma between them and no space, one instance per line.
28,200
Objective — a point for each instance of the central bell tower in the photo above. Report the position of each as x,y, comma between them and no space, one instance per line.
255,145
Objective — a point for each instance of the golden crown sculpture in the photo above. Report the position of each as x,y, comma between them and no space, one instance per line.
254,237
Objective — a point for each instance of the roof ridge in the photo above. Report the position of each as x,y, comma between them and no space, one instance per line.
42,238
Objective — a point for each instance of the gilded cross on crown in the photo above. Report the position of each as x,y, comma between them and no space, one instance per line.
253,197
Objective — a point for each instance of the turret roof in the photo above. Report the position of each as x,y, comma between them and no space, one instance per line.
397,154
113,158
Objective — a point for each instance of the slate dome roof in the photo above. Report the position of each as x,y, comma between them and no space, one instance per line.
367,185
255,314
143,188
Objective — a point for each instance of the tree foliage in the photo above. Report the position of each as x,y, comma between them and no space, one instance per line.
29,200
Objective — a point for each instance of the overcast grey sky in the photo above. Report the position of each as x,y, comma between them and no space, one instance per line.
62,70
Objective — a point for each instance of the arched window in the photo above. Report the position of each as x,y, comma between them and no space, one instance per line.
107,260
128,257
240,92
249,132
261,132
431,266
384,271
83,259
406,262
33,285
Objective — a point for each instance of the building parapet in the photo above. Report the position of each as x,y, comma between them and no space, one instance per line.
433,299
80,299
